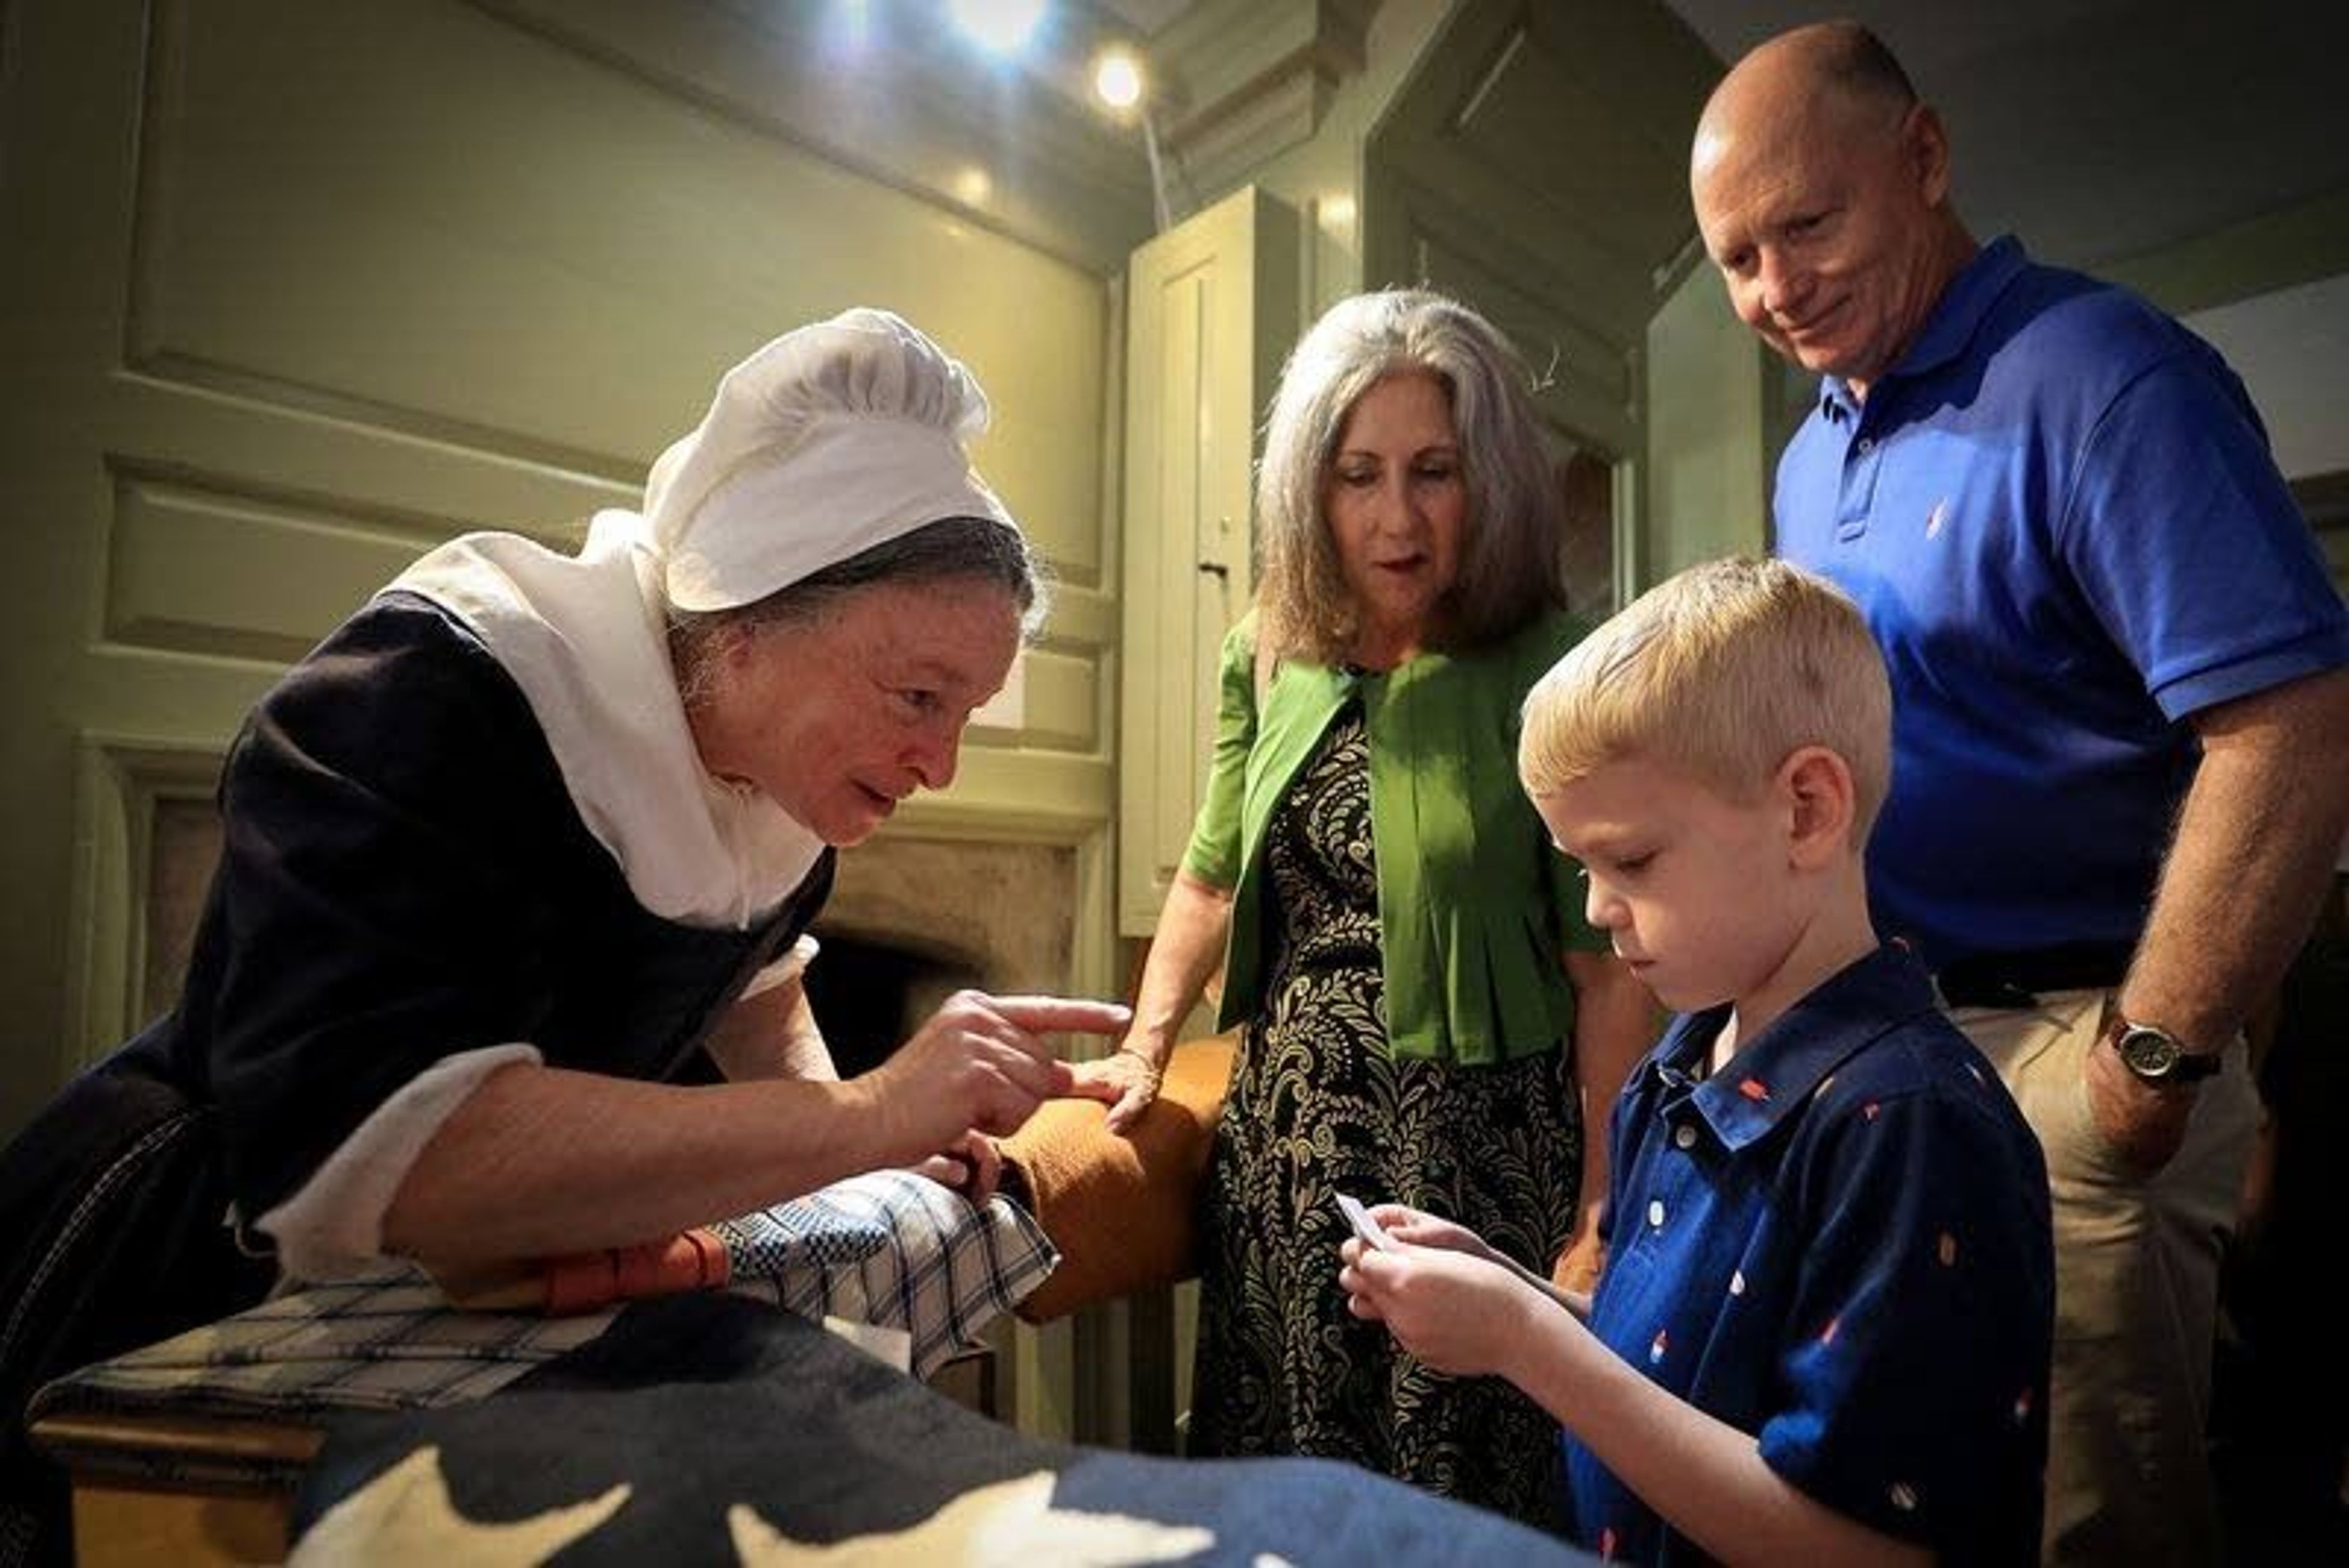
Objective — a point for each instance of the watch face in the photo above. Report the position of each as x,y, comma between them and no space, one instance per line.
2155,1056
2149,1053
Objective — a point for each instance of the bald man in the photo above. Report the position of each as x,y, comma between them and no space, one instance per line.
2121,727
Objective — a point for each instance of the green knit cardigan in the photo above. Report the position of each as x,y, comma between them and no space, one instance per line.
1476,908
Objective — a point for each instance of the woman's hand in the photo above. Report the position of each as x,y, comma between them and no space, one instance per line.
1584,1260
1128,1079
980,1064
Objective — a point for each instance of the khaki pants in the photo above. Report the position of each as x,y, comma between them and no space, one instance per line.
2137,1291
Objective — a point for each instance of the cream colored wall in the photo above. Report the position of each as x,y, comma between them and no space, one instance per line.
2292,245
1710,450
294,290
2291,346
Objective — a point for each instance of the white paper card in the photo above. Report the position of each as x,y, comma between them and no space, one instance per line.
1364,1226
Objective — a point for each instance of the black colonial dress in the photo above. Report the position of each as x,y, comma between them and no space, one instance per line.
405,877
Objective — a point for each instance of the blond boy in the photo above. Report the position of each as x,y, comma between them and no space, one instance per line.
1823,1331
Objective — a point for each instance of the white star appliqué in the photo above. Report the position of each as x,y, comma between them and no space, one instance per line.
1008,1525
404,1515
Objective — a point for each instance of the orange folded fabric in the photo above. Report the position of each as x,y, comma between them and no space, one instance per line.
1122,1210
690,1261
583,1281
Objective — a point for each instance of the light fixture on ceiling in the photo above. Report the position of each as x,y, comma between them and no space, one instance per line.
1119,82
1001,26
1117,79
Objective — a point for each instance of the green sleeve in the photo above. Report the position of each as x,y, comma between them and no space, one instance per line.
1214,856
1567,891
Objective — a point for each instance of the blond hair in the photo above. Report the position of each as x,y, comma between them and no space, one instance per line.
1510,550
1722,671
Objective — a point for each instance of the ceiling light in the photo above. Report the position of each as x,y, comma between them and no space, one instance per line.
1118,79
1003,26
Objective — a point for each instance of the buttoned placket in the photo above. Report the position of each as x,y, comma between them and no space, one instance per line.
1680,1116
1863,459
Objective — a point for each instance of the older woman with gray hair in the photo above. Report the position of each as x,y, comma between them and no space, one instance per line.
1427,1018
503,957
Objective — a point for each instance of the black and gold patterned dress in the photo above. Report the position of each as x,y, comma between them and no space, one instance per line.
1317,1107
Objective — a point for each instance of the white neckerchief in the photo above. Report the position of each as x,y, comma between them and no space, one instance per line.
585,638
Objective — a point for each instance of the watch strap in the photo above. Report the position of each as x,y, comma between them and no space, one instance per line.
2156,1056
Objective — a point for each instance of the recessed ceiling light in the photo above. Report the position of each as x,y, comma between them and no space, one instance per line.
1117,77
1003,26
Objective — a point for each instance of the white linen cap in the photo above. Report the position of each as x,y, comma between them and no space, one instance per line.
832,438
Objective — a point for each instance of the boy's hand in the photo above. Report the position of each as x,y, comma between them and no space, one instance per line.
1458,1312
1418,1229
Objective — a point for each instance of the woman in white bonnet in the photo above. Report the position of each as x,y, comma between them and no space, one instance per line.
502,958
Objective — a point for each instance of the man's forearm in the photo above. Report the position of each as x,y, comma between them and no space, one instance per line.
2257,839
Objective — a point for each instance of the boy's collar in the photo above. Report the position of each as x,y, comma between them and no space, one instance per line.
1781,1067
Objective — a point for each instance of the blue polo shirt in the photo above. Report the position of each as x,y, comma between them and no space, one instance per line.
1839,1244
2059,514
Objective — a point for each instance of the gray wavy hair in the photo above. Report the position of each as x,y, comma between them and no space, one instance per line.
1511,545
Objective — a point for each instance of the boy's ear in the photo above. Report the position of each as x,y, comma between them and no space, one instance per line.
1816,785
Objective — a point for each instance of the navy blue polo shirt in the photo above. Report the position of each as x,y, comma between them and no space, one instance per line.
2059,513
1839,1244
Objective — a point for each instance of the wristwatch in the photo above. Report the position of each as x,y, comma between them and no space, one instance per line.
2155,1056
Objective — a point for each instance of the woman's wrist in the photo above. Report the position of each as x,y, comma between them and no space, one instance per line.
1153,1056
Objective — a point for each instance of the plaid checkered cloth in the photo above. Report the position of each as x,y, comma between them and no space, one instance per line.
886,1249
898,1251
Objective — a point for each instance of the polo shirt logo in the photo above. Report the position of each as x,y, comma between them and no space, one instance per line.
1939,515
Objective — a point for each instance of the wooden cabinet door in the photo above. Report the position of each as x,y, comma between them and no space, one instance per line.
1212,309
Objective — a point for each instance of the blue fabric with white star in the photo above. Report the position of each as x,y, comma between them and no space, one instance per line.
1839,1244
2060,516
